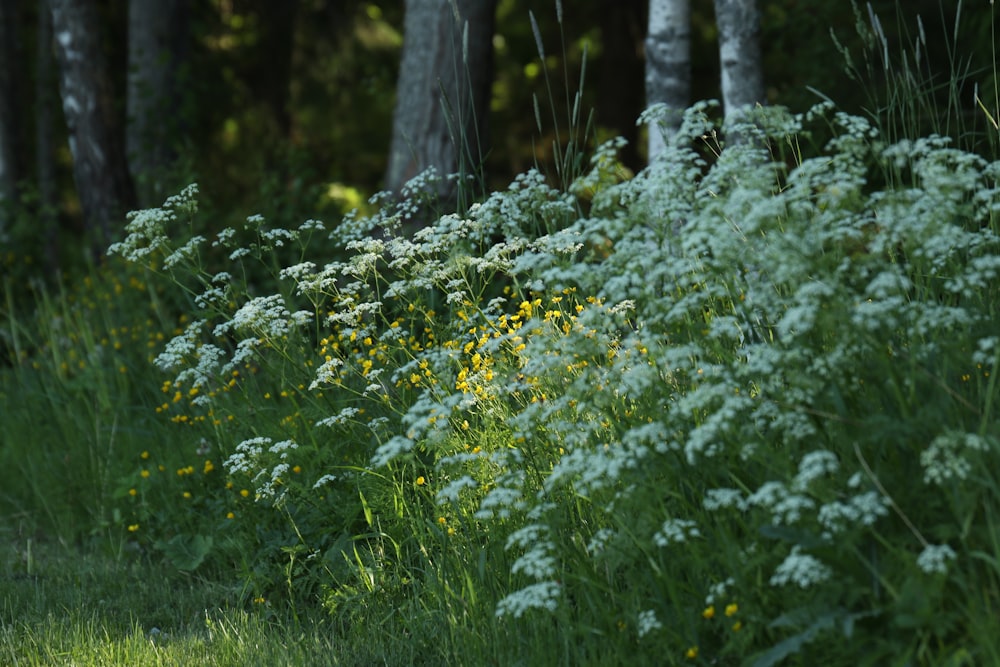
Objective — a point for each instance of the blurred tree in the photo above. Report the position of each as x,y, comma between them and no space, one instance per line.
157,44
272,80
283,107
99,166
739,55
668,60
45,168
8,131
620,95
668,65
443,92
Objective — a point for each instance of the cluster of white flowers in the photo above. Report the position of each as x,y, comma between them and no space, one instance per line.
543,595
947,457
860,510
149,230
800,569
265,316
451,492
735,309
647,623
264,461
181,348
934,559
676,531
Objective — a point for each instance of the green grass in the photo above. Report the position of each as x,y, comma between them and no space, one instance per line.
63,606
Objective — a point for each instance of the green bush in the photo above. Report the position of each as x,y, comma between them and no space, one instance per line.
725,410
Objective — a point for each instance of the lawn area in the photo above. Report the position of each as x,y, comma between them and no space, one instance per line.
67,606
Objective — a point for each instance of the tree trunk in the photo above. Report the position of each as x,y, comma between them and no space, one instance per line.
272,80
99,169
443,92
739,54
620,94
668,66
153,92
8,132
45,94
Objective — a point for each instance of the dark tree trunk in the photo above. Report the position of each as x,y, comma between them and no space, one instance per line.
8,132
156,30
45,101
442,104
99,166
274,74
621,98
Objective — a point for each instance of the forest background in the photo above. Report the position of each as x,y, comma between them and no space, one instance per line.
287,108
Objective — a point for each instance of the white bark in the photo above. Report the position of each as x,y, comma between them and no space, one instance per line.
739,55
99,170
668,65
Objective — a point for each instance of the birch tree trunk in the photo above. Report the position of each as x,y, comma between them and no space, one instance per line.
99,167
442,96
739,55
668,65
154,27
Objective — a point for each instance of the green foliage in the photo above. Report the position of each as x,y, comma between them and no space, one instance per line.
62,607
738,408
686,424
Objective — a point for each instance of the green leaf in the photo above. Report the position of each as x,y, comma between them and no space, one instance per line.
794,644
366,508
186,552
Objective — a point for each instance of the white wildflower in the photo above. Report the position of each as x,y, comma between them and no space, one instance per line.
341,418
283,447
537,562
676,531
186,251
396,446
326,373
177,351
647,622
600,540
225,237
450,492
813,466
542,595
325,479
800,569
716,499
934,559
946,457
719,591
499,502
986,350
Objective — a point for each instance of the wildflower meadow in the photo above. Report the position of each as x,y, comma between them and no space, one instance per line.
733,409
